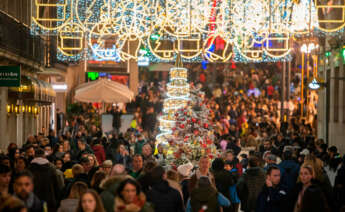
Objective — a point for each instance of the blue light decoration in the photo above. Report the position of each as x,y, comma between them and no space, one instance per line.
258,45
314,85
264,59
205,61
143,61
212,48
109,54
204,64
71,59
102,74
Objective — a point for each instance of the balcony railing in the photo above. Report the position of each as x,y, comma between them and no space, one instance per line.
16,38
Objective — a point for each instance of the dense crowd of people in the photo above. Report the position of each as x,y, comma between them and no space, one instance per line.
268,163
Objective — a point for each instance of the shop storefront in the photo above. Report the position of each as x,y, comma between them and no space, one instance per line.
29,109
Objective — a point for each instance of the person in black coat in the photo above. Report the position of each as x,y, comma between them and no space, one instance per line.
314,200
250,185
163,197
117,119
149,120
273,196
339,187
224,179
47,186
291,170
234,146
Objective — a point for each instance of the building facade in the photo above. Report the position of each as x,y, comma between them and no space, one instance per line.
331,105
28,109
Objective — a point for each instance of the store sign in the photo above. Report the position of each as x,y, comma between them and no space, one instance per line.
9,76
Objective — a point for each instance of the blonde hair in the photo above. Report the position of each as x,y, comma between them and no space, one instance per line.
316,164
95,159
310,170
77,169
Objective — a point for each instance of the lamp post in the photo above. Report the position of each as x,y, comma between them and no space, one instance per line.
306,48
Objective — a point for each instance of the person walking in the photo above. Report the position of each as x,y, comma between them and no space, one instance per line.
129,198
23,188
90,202
163,197
273,195
250,185
205,197
71,203
46,180
306,179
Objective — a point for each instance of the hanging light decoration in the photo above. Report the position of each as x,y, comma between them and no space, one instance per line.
256,30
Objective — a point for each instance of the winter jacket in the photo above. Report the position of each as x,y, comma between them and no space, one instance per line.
98,149
249,186
224,180
339,188
136,174
164,198
290,173
239,167
111,149
33,203
195,178
272,199
175,185
46,181
124,160
149,122
185,190
293,194
109,187
234,147
117,120
138,205
68,205
145,181
139,146
206,196
331,173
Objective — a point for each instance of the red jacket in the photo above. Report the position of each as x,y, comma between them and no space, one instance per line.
270,90
202,78
99,153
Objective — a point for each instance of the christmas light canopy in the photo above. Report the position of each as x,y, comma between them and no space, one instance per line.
258,29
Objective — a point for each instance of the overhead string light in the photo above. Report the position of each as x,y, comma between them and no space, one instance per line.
253,27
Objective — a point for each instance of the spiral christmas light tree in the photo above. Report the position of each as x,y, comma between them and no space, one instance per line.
186,131
177,97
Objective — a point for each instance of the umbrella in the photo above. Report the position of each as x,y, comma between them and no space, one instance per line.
103,91
161,67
